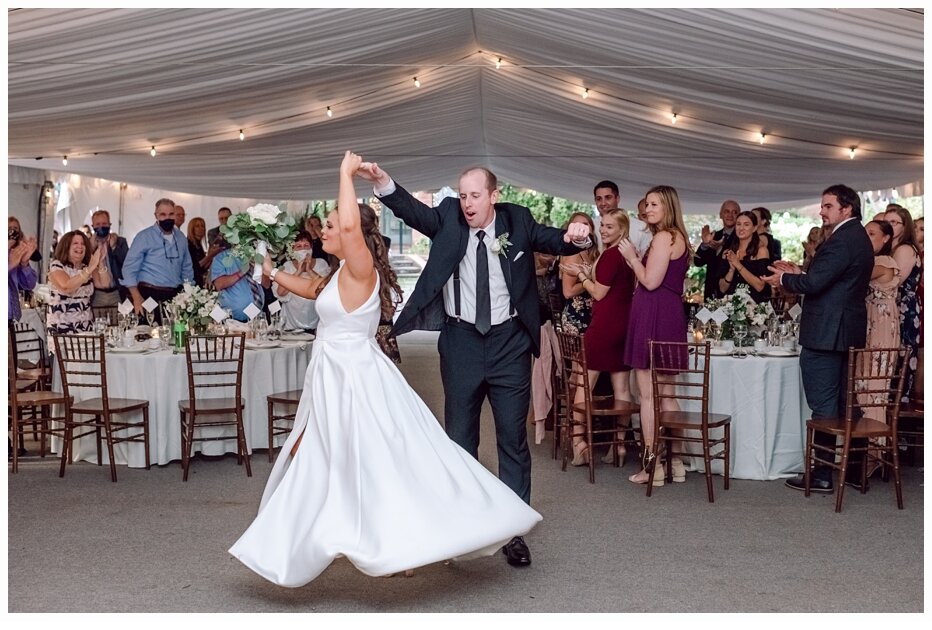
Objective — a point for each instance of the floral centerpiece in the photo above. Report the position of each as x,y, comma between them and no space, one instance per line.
742,311
193,306
261,228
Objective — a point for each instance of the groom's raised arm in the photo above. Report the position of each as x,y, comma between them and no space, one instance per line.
552,240
414,213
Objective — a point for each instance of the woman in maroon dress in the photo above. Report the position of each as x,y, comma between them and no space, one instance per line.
611,284
657,308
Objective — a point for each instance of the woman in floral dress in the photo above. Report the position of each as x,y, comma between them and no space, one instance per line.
577,313
909,299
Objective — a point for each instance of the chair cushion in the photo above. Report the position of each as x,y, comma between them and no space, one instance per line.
865,427
213,405
117,405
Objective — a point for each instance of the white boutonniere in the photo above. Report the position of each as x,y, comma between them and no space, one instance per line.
501,244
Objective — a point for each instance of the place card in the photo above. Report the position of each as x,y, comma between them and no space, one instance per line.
251,311
218,314
704,315
150,305
275,307
720,316
126,307
795,312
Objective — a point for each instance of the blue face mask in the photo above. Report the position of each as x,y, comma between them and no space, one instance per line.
102,232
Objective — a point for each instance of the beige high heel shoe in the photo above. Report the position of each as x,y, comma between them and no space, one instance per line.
608,459
643,476
678,469
580,454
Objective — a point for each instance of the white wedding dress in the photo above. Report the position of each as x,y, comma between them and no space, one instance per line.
375,478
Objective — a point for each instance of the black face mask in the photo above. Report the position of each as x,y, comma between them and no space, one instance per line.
102,232
167,225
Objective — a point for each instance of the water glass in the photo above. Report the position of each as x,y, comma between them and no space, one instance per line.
261,327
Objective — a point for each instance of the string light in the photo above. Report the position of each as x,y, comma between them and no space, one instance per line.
673,119
329,112
852,152
498,64
585,93
152,151
64,160
762,137
242,136
417,83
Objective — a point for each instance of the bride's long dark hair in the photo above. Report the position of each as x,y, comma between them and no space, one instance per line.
389,291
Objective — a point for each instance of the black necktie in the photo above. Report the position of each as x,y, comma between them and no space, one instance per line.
483,299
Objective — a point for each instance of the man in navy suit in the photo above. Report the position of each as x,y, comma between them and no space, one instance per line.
479,289
834,316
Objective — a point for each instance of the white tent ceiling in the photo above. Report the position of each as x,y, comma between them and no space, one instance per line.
103,85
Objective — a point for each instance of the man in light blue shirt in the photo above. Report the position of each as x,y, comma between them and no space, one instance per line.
158,262
233,279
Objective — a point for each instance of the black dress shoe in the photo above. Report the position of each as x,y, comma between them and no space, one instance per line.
815,485
517,552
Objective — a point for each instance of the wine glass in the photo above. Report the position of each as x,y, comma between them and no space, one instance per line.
740,331
150,317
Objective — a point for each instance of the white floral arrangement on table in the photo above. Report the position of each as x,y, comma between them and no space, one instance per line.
262,227
740,309
193,305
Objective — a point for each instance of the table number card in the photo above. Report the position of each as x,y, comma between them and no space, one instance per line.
150,304
251,311
218,314
126,307
720,317
795,311
704,315
275,307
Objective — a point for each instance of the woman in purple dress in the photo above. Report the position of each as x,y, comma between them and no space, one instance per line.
657,307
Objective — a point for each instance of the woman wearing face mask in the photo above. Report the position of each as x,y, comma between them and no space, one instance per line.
300,313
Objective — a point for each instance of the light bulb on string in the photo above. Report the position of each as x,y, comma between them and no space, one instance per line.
64,160
585,93
329,113
152,151
762,137
498,64
417,83
851,152
242,136
673,119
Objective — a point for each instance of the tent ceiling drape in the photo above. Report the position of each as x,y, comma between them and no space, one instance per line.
103,85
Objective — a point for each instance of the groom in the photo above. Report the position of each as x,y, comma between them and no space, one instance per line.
479,290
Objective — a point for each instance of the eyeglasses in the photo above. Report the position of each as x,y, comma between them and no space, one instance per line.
173,253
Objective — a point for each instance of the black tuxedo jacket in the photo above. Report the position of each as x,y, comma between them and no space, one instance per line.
446,226
834,314
712,260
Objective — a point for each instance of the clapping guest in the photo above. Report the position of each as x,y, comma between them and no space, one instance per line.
233,279
114,253
299,312
710,249
815,238
200,259
906,254
20,275
577,312
774,247
746,259
73,275
657,309
611,285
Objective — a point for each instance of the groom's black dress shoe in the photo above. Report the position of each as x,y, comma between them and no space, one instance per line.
517,552
815,485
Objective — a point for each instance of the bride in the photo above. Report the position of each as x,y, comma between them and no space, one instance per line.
367,472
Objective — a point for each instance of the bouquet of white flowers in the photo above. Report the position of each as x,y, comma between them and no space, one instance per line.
262,228
193,305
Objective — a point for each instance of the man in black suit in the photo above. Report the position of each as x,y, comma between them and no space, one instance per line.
709,253
479,289
213,233
834,316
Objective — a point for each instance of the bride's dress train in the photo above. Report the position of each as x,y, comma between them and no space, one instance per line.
375,478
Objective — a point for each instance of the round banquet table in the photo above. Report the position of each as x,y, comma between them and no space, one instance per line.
765,398
161,378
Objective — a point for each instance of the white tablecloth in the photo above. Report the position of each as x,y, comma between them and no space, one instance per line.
161,378
31,316
764,396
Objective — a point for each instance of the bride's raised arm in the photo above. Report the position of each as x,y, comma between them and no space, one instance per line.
359,263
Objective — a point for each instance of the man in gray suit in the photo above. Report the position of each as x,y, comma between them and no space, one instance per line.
834,316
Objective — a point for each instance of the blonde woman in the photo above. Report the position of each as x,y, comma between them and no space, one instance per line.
657,308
